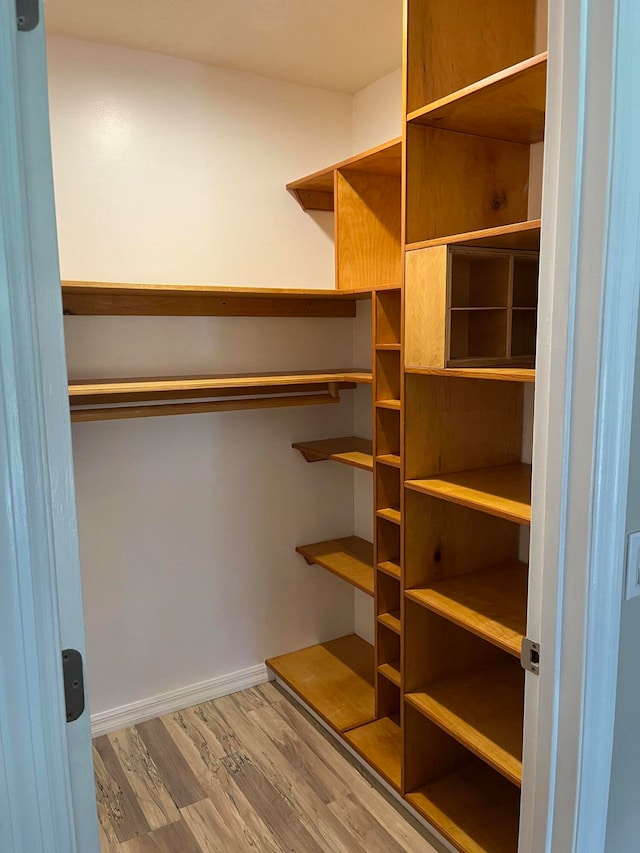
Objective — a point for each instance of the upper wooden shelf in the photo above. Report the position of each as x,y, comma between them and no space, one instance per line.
316,191
350,450
504,490
517,235
350,558
96,298
501,374
509,105
335,679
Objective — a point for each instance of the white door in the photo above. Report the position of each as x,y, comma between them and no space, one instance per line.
47,799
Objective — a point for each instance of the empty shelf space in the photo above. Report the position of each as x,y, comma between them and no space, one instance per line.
484,711
350,450
316,191
91,298
518,235
501,374
491,603
391,459
350,558
380,743
503,491
390,568
388,404
475,809
509,105
391,671
335,679
391,621
390,514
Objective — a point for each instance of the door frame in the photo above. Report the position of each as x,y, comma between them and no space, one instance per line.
47,800
588,319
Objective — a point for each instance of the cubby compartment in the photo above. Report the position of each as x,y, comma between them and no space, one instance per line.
388,547
388,595
387,375
479,279
475,808
523,333
525,281
387,487
478,335
388,647
387,431
388,317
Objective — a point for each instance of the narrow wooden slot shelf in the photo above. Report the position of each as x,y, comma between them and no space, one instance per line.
395,405
380,743
518,235
389,347
475,808
509,105
390,514
391,621
503,491
491,603
390,568
349,450
316,191
500,374
484,711
391,459
103,298
336,680
350,558
391,671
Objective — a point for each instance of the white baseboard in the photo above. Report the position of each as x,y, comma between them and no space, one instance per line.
176,700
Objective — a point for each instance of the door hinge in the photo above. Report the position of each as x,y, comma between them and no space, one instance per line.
73,683
27,15
530,656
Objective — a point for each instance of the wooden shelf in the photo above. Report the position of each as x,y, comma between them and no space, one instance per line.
316,191
96,298
380,744
509,105
501,374
518,235
110,394
491,603
391,671
390,514
390,568
473,807
390,459
391,621
503,491
389,347
350,558
483,710
395,405
349,450
335,679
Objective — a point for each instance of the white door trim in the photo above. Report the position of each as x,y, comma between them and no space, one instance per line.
586,361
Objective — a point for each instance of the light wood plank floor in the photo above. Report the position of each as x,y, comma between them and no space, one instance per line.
248,772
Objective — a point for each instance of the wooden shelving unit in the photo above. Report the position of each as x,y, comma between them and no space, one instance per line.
349,450
380,744
350,558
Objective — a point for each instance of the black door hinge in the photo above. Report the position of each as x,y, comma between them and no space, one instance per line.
530,656
27,15
73,683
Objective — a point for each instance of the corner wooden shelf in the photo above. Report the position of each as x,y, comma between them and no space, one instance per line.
483,710
335,679
503,491
380,744
517,235
97,298
350,558
316,191
391,671
390,514
500,374
508,105
491,603
391,621
390,568
475,808
349,450
104,397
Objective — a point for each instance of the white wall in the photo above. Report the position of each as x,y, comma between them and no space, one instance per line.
377,112
169,171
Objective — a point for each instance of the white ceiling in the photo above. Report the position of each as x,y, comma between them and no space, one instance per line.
341,45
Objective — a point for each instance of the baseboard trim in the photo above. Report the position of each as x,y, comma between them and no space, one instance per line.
176,700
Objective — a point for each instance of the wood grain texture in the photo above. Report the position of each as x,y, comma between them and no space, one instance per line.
380,743
119,811
175,771
390,514
514,235
350,558
349,450
425,336
508,105
499,374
